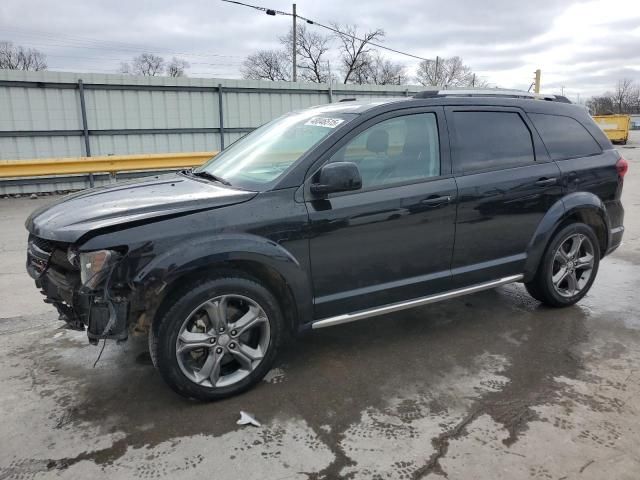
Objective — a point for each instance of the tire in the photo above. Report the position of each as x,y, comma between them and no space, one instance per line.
561,294
152,340
195,317
532,289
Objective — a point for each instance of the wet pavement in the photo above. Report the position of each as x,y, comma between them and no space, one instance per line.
491,385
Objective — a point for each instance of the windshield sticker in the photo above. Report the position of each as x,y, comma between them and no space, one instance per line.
324,122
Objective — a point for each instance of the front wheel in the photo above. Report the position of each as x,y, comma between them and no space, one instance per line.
219,338
568,267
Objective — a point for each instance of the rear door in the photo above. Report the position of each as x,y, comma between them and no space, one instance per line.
506,183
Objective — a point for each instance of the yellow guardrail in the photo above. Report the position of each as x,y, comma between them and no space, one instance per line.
105,164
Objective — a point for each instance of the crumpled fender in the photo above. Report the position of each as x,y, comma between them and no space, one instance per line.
206,252
560,211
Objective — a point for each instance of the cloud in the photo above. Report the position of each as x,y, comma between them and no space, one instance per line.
578,44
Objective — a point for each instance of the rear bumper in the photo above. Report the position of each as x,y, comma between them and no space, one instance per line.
615,239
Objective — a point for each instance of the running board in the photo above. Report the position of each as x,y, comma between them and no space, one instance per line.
416,302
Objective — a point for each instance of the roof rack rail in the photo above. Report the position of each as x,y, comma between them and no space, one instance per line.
489,92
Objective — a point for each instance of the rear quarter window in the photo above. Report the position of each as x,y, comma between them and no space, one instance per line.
564,137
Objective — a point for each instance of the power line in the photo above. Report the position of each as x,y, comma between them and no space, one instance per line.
128,59
156,52
270,11
74,41
90,42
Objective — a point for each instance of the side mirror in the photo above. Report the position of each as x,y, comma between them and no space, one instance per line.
337,177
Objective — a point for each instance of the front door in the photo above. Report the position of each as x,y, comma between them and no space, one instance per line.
392,240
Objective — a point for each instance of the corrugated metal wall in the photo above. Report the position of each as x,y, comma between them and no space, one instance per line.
41,113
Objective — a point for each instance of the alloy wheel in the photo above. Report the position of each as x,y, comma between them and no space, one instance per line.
223,340
573,264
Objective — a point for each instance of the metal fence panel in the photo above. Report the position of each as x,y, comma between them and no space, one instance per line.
156,143
41,112
17,148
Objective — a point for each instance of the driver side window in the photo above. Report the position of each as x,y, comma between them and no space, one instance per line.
397,150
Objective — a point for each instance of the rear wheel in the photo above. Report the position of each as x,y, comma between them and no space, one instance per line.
219,338
568,267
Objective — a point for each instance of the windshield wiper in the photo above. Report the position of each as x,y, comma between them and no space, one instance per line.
210,176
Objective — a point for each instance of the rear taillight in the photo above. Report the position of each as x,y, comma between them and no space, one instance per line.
622,166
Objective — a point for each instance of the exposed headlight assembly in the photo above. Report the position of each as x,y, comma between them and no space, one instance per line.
95,266
72,257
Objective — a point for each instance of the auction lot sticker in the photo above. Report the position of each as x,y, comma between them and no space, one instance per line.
324,122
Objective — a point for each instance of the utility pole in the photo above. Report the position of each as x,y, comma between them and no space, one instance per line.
435,75
473,81
295,43
330,82
536,84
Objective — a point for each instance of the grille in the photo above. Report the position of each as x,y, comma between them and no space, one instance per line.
42,243
56,252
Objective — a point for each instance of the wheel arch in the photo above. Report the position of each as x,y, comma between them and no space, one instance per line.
583,207
159,283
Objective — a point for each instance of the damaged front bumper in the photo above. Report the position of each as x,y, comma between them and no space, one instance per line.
103,312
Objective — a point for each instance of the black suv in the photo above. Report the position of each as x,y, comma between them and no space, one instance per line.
333,214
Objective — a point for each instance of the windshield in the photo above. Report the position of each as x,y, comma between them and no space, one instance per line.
266,153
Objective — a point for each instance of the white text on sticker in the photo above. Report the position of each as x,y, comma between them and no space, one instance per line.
324,122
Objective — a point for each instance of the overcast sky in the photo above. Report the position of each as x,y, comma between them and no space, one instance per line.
584,47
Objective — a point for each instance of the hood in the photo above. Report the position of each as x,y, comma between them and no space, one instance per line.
139,200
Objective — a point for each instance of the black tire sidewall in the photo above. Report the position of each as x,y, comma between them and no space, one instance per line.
545,283
173,318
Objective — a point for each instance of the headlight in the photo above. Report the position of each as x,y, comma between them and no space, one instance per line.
94,266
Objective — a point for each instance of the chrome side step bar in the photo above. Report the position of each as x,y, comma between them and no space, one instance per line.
416,302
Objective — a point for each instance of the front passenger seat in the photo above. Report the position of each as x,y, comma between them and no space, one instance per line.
376,158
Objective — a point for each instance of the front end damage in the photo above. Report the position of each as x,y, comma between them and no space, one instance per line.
96,302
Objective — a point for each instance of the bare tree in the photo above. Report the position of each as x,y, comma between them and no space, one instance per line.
267,65
311,48
624,99
385,72
355,51
602,105
479,82
146,64
633,100
176,67
378,70
16,57
359,63
622,94
447,72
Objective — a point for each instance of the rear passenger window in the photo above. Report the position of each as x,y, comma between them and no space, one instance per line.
491,141
564,137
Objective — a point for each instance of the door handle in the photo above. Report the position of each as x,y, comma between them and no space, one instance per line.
436,201
546,181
